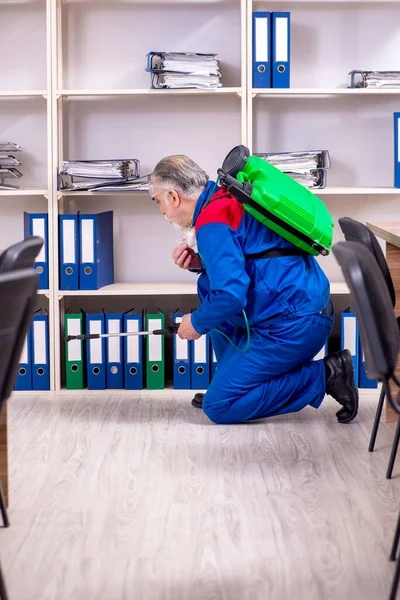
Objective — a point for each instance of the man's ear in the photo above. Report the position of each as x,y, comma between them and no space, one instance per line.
174,198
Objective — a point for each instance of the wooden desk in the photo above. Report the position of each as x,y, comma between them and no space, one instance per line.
4,453
390,232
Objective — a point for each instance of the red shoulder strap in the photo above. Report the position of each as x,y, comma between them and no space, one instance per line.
221,208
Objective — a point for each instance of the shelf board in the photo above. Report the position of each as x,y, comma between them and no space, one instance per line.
328,191
351,2
137,289
150,92
166,392
22,192
339,288
22,93
159,289
43,292
322,92
357,191
102,193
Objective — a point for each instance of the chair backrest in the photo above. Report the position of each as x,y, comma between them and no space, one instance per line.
354,231
372,304
21,255
17,303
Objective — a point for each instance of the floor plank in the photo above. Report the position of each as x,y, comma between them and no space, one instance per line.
143,498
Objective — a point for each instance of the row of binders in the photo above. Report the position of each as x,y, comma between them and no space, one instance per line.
350,340
34,371
86,251
132,362
8,165
138,362
306,167
271,49
101,175
179,70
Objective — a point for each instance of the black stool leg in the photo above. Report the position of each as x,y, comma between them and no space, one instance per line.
395,445
395,584
3,508
395,541
3,591
377,420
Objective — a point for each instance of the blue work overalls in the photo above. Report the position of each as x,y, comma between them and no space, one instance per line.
285,301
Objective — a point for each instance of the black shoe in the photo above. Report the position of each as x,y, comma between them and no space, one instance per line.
340,384
197,401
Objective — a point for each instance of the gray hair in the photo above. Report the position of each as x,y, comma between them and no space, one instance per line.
180,173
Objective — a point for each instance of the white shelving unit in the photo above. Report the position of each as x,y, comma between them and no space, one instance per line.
149,92
138,289
23,94
84,93
180,120
322,93
23,192
25,118
318,110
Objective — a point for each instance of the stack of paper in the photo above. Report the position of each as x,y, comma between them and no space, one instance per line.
306,167
137,185
175,70
374,79
8,162
315,178
91,174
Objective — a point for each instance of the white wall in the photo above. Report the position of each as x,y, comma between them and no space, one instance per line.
149,128
23,120
105,44
23,66
22,46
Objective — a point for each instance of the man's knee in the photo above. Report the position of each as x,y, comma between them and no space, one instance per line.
217,412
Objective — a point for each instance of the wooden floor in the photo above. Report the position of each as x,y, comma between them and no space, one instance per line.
144,499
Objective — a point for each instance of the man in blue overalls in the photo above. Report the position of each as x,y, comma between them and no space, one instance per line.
283,300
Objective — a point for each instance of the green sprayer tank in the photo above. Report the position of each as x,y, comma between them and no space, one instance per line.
278,201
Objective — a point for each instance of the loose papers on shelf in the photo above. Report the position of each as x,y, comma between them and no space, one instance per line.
100,174
10,147
284,161
101,169
374,79
306,167
134,186
7,165
176,70
315,178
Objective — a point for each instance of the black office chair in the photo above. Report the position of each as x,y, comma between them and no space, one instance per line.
17,304
379,333
21,255
357,232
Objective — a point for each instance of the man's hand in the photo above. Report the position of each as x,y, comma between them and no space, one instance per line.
186,258
186,330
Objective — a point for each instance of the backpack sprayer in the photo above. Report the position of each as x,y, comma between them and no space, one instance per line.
274,199
278,201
